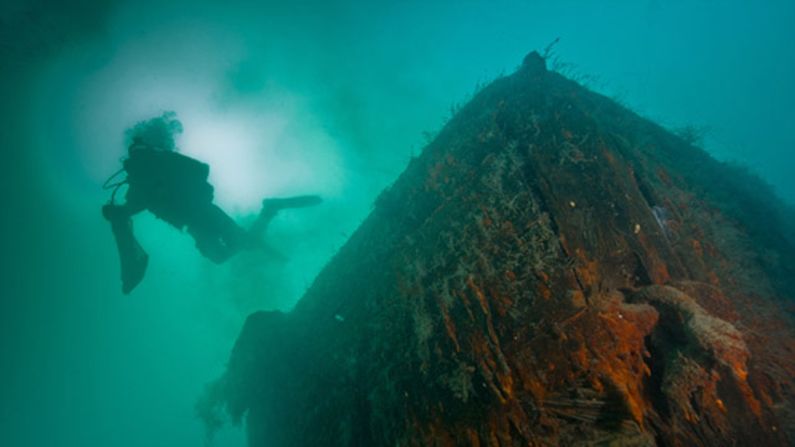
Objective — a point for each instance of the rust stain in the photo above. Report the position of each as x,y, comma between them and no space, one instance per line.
697,249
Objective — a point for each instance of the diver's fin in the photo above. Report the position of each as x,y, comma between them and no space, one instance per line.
270,207
132,256
275,204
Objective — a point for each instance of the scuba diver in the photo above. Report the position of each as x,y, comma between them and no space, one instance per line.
174,188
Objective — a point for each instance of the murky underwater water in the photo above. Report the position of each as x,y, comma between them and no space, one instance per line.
322,98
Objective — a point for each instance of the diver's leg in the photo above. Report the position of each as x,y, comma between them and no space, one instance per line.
271,207
210,245
111,211
217,236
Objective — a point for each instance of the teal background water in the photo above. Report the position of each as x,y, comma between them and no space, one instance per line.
312,97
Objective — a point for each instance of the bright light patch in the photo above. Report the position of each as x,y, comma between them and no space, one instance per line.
239,152
254,154
263,145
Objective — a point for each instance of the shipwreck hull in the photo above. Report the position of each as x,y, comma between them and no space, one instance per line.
552,270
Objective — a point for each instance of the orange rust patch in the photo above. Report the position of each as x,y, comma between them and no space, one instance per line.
696,244
661,274
474,439
542,276
481,297
502,302
588,271
608,155
577,298
486,220
580,356
449,326
662,174
613,354
536,388
597,385
544,291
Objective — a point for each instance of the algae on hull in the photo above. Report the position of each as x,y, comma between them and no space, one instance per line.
515,287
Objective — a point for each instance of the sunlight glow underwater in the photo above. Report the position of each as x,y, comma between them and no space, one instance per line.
261,144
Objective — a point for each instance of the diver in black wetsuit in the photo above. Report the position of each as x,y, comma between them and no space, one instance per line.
175,189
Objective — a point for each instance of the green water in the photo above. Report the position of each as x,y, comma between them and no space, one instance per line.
332,98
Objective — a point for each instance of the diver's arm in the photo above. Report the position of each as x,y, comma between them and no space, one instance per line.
133,205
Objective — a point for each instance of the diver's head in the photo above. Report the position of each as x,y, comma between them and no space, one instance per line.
137,144
155,133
